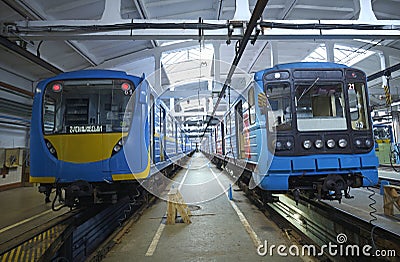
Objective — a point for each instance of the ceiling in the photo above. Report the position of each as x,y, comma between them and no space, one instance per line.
188,66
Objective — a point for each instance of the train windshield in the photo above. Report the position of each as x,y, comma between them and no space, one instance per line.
320,106
87,106
358,106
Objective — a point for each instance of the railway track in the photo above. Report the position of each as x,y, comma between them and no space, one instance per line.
319,224
71,236
78,235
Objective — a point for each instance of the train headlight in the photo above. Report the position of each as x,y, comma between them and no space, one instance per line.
319,144
368,142
342,143
330,143
289,144
117,146
358,142
278,145
51,148
307,144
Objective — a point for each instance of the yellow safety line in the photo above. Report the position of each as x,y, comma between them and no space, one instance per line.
39,248
30,253
157,236
155,240
22,253
256,240
11,256
26,220
17,255
32,249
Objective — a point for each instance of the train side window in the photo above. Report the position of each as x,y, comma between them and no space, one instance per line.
252,109
227,124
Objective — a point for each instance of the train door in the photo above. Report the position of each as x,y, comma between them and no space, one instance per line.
176,137
163,133
239,129
215,140
223,138
152,129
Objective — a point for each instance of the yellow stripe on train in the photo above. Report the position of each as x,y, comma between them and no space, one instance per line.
50,180
133,176
84,148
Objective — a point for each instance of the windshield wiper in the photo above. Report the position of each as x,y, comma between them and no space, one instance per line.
308,89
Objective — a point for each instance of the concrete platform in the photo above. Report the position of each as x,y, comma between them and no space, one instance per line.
221,230
23,209
19,204
389,173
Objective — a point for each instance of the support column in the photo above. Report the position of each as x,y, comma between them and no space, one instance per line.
384,64
274,53
396,127
157,72
366,12
330,51
217,65
172,100
112,11
242,11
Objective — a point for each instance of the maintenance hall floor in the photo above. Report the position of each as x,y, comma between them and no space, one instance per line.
220,229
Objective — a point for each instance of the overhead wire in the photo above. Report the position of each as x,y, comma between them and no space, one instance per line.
191,25
258,10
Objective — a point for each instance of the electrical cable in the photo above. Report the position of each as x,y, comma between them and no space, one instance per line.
372,213
191,25
131,203
58,195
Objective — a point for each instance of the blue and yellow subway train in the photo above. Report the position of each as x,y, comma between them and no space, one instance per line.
313,135
95,133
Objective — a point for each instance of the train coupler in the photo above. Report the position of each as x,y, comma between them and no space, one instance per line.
78,193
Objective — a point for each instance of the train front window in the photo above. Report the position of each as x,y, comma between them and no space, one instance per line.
278,95
358,106
320,106
87,106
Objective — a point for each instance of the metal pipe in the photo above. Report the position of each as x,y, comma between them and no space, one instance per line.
15,90
28,55
391,69
258,10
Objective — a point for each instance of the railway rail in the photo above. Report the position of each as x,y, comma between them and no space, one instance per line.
71,236
77,235
318,223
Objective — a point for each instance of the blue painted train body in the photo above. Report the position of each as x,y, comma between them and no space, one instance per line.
93,131
314,134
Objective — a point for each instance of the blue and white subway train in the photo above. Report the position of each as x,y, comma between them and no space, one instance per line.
315,132
95,133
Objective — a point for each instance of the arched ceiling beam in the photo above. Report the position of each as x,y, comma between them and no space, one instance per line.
36,13
126,59
28,55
